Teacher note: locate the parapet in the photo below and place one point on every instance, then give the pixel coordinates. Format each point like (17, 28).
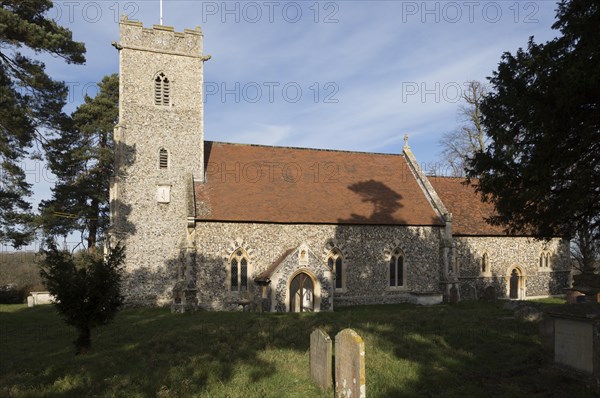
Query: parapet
(160, 38)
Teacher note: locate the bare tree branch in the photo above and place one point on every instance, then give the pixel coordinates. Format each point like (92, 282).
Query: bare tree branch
(470, 137)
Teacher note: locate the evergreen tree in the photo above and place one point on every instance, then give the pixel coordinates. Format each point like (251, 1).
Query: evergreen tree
(82, 159)
(86, 286)
(542, 167)
(30, 101)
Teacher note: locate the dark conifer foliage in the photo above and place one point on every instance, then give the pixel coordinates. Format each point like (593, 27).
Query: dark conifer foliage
(87, 288)
(82, 159)
(542, 167)
(30, 101)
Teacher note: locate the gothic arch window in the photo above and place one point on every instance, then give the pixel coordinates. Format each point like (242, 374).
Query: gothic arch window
(238, 271)
(397, 269)
(163, 159)
(335, 262)
(162, 90)
(456, 268)
(544, 264)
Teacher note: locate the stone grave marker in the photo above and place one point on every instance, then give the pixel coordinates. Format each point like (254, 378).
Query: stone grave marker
(349, 365)
(320, 358)
(489, 294)
(454, 297)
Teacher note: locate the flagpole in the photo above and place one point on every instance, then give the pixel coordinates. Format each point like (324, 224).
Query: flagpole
(161, 19)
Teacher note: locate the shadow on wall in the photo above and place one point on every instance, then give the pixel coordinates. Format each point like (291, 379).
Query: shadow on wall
(121, 227)
(370, 241)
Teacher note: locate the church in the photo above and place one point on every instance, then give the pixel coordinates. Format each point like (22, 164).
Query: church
(226, 226)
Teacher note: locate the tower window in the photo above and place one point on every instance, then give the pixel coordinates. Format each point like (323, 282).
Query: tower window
(162, 92)
(163, 159)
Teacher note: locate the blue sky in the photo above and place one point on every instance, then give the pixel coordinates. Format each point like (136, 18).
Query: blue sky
(350, 75)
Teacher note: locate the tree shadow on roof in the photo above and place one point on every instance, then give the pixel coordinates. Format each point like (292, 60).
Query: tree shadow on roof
(385, 202)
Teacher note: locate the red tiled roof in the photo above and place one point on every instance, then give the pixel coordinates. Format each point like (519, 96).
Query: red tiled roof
(467, 209)
(252, 183)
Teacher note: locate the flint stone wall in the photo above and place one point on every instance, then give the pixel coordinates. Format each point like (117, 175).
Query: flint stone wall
(365, 250)
(154, 233)
(280, 282)
(506, 253)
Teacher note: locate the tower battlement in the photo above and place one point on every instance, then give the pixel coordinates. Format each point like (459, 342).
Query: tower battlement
(161, 38)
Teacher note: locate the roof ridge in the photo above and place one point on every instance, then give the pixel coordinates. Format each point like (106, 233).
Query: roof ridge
(304, 148)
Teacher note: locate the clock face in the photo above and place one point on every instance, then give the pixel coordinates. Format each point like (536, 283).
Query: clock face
(163, 194)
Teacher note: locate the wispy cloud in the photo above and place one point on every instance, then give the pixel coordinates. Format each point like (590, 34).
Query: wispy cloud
(363, 55)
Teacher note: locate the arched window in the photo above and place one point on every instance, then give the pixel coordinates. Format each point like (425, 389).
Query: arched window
(335, 263)
(544, 260)
(163, 159)
(485, 263)
(162, 93)
(238, 275)
(396, 268)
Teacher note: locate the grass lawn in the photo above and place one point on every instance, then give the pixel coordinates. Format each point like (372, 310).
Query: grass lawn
(467, 350)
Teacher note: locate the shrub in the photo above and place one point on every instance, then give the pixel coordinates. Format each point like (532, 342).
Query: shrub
(86, 287)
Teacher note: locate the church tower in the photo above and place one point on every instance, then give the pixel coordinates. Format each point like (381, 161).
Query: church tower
(159, 144)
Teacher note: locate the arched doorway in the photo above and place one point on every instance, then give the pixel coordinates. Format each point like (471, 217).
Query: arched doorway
(515, 282)
(302, 293)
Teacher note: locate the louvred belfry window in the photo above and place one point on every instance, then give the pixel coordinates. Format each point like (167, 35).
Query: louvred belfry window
(162, 90)
(163, 159)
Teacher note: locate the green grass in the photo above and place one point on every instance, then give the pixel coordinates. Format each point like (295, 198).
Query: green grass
(468, 350)
(551, 300)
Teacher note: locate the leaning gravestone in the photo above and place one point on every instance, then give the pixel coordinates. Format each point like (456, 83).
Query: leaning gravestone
(320, 358)
(349, 365)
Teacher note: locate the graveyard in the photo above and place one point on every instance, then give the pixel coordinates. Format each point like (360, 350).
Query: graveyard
(468, 349)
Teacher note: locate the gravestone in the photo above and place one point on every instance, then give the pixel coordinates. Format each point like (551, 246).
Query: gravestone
(349, 365)
(454, 297)
(489, 294)
(577, 339)
(468, 292)
(320, 358)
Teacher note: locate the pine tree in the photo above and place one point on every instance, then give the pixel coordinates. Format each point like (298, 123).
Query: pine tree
(30, 101)
(82, 159)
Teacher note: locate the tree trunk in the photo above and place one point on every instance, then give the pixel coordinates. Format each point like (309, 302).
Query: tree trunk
(93, 226)
(84, 340)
